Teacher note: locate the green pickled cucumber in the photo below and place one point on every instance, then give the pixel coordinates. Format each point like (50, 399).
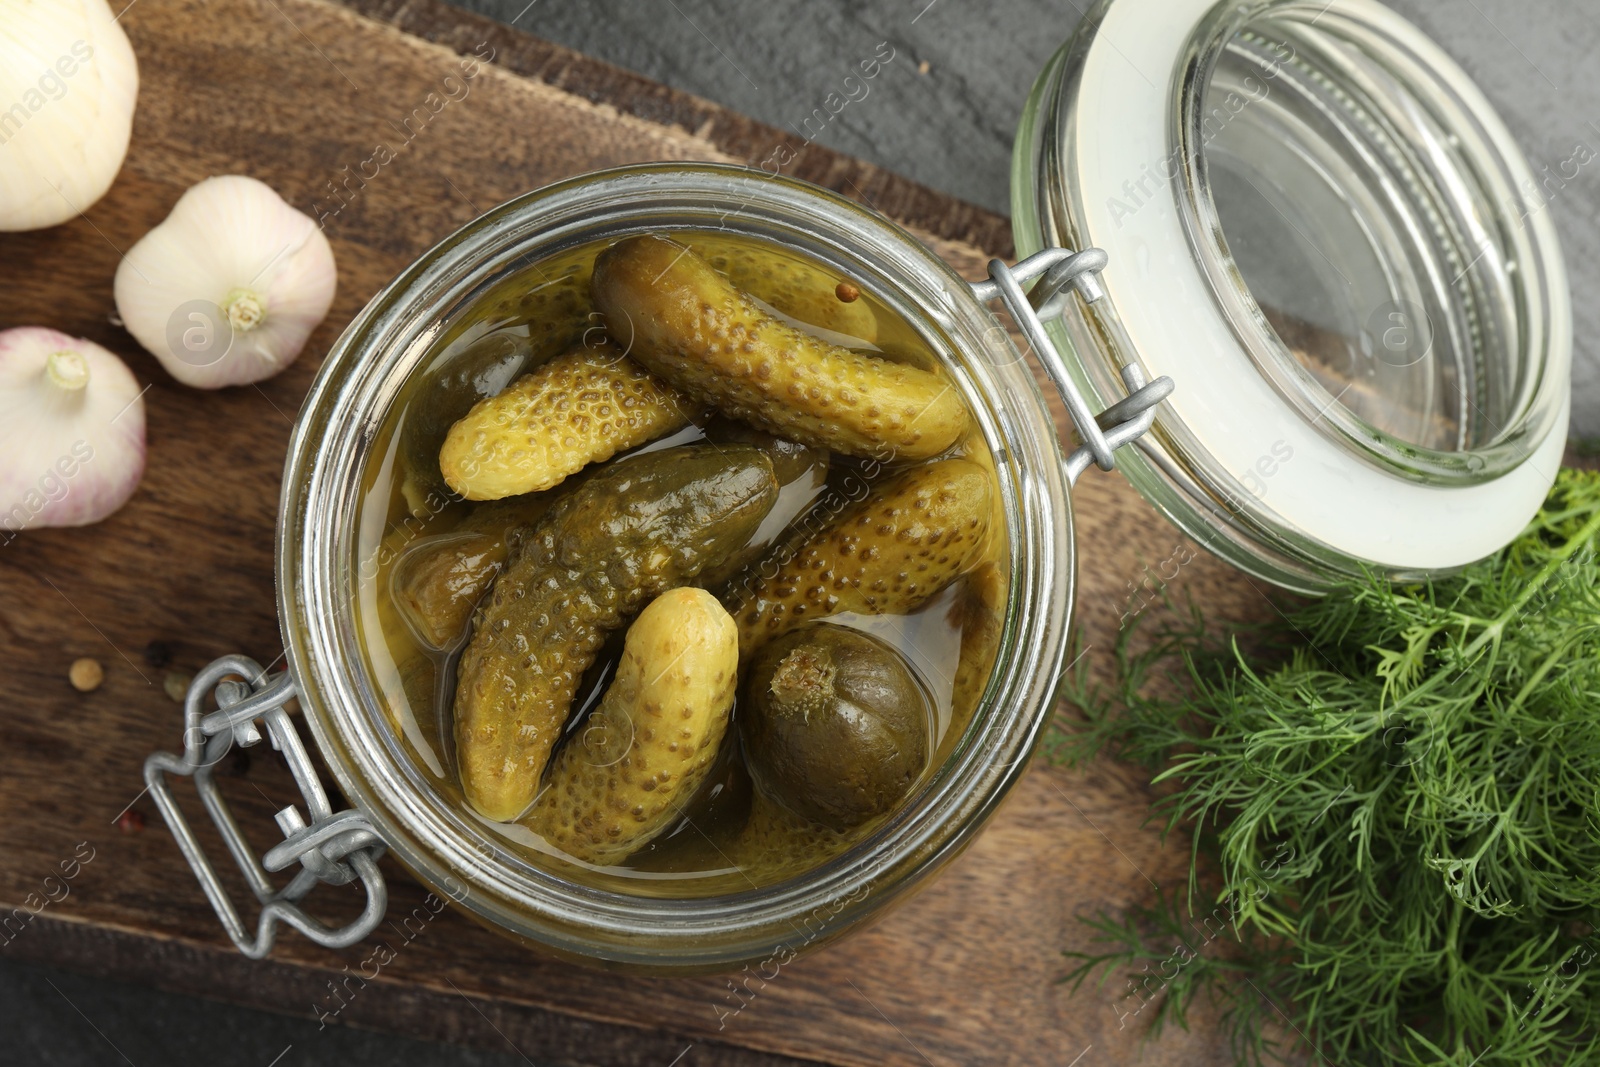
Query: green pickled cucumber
(689, 326)
(647, 748)
(437, 580)
(887, 554)
(550, 300)
(835, 724)
(632, 530)
(802, 473)
(406, 676)
(791, 460)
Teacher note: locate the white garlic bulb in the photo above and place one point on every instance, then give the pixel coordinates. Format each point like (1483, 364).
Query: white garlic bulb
(227, 289)
(71, 430)
(68, 82)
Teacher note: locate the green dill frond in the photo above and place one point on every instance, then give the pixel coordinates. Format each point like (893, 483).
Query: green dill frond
(1418, 768)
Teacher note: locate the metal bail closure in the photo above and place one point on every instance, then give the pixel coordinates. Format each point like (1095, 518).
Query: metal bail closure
(1058, 270)
(332, 848)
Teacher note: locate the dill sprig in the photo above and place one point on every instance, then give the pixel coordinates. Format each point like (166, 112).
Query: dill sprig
(1400, 788)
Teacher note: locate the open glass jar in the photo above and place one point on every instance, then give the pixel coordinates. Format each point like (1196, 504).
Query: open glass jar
(1323, 232)
(1372, 163)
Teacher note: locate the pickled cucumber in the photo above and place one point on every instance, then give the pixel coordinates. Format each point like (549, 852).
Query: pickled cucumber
(582, 407)
(406, 679)
(980, 612)
(631, 531)
(483, 369)
(907, 540)
(791, 460)
(835, 725)
(649, 745)
(437, 580)
(802, 473)
(793, 288)
(775, 843)
(712, 818)
(550, 300)
(534, 314)
(684, 322)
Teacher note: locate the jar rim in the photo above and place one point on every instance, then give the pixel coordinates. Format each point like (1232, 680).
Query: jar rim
(1352, 500)
(360, 382)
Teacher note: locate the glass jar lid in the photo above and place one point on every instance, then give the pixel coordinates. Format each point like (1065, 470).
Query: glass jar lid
(1321, 230)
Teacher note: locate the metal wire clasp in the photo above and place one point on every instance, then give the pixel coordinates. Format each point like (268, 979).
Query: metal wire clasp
(336, 848)
(1061, 269)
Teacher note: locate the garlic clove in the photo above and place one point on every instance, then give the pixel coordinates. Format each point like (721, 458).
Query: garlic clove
(228, 288)
(68, 84)
(72, 444)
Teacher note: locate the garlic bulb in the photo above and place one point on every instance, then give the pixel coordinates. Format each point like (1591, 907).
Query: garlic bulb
(227, 289)
(71, 430)
(68, 81)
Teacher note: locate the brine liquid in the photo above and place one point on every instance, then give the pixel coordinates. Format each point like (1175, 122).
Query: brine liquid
(518, 325)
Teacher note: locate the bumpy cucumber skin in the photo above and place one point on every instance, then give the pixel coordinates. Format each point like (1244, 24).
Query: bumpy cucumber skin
(776, 843)
(582, 407)
(480, 371)
(631, 531)
(795, 289)
(887, 554)
(687, 324)
(623, 777)
(556, 312)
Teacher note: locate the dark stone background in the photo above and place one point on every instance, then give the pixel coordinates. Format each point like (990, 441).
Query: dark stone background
(947, 124)
(950, 126)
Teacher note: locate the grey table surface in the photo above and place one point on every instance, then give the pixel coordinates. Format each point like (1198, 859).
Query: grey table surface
(942, 111)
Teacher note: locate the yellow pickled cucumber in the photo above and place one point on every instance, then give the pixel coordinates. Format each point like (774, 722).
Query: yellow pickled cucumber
(980, 612)
(907, 540)
(625, 775)
(480, 370)
(582, 407)
(776, 843)
(684, 322)
(793, 288)
(538, 313)
(632, 530)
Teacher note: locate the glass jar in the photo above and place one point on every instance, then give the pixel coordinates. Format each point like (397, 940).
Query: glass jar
(322, 577)
(1323, 232)
(1183, 252)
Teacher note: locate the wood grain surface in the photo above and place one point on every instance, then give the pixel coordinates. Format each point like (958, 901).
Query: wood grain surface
(295, 92)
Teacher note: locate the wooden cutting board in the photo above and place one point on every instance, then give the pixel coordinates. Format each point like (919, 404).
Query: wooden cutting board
(298, 93)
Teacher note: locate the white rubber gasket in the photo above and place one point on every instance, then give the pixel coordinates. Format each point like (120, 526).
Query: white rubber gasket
(1322, 490)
